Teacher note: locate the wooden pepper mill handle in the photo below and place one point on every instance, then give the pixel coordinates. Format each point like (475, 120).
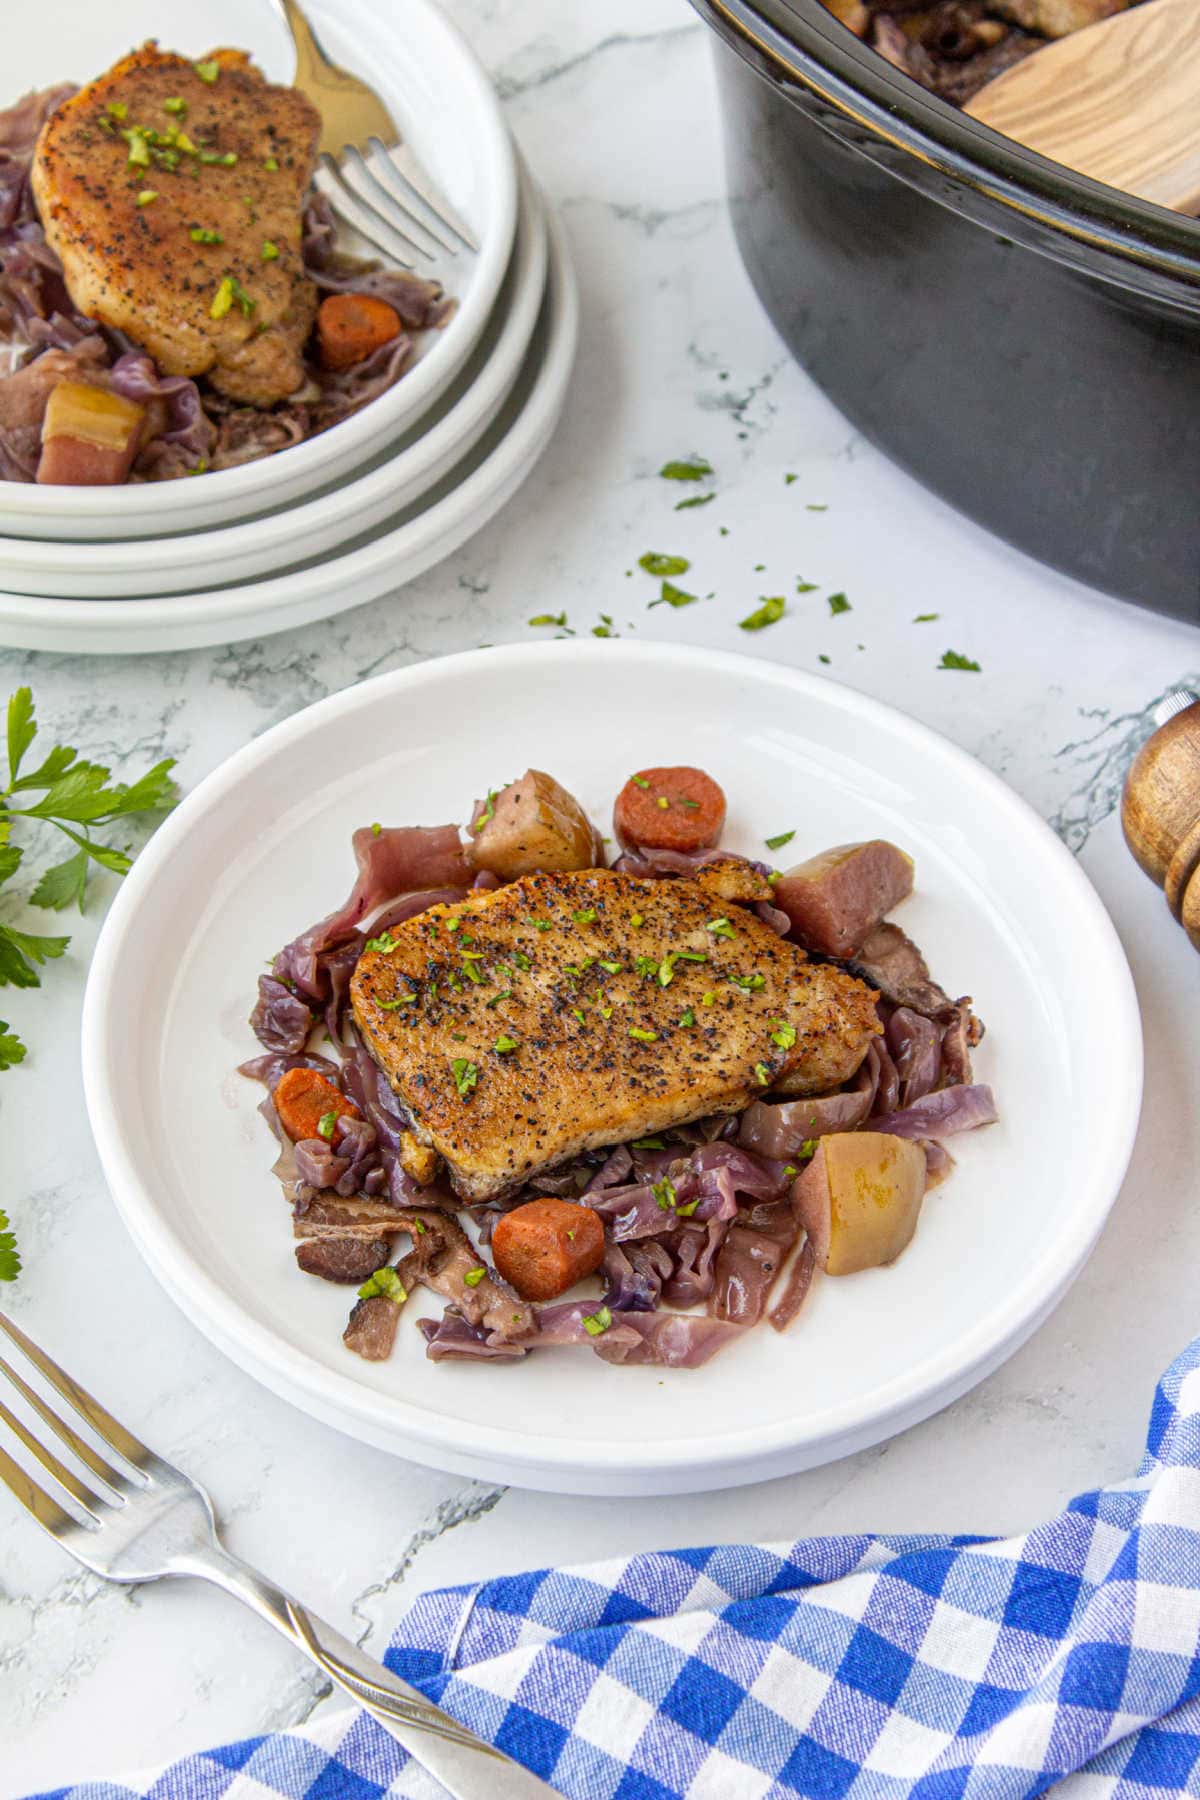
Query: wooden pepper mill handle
(1160, 807)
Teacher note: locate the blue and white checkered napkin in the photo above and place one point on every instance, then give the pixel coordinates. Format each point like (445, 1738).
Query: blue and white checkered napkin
(865, 1667)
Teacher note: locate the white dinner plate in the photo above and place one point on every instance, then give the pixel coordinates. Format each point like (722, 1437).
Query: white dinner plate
(444, 103)
(317, 526)
(261, 849)
(379, 562)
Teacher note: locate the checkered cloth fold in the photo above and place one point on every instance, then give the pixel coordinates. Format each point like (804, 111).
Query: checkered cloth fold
(838, 1668)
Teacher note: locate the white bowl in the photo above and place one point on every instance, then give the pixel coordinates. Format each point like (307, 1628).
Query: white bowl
(403, 548)
(1001, 909)
(446, 106)
(316, 527)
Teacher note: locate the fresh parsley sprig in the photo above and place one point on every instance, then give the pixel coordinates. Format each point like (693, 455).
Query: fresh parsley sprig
(77, 798)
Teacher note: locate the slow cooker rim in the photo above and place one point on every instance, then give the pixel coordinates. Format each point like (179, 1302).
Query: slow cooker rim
(814, 48)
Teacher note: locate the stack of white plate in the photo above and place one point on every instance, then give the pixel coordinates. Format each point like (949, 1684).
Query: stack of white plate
(371, 503)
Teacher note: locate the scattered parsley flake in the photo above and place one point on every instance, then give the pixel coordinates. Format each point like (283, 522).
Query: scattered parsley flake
(639, 781)
(720, 928)
(695, 468)
(207, 71)
(657, 562)
(926, 618)
(466, 1076)
(637, 920)
(473, 1277)
(202, 234)
(809, 1147)
(595, 1324)
(649, 1143)
(693, 500)
(642, 1036)
(327, 1125)
(823, 658)
(952, 659)
(674, 596)
(587, 916)
(558, 619)
(505, 994)
(664, 1194)
(269, 251)
(10, 1259)
(784, 1036)
(762, 1074)
(789, 478)
(777, 843)
(806, 587)
(811, 508)
(838, 603)
(489, 811)
(385, 943)
(688, 1017)
(386, 1284)
(504, 1044)
(376, 829)
(771, 610)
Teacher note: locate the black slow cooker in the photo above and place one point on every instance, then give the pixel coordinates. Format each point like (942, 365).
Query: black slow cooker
(1026, 342)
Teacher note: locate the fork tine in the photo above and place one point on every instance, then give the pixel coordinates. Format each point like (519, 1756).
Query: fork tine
(110, 1476)
(48, 1513)
(400, 165)
(91, 1503)
(351, 211)
(89, 1409)
(365, 175)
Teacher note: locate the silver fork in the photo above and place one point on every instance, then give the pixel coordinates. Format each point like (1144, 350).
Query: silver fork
(366, 171)
(137, 1518)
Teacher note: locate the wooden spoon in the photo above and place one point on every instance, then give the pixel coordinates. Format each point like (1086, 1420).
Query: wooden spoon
(1119, 101)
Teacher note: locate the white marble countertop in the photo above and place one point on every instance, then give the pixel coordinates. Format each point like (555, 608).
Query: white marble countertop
(614, 106)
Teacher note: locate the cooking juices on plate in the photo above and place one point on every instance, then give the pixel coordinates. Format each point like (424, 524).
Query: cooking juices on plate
(955, 47)
(685, 1081)
(171, 297)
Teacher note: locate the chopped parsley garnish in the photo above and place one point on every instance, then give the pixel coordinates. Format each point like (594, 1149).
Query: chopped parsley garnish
(785, 1036)
(821, 508)
(147, 196)
(694, 468)
(708, 1000)
(674, 596)
(639, 781)
(117, 109)
(473, 1277)
(521, 960)
(376, 829)
(777, 843)
(453, 924)
(646, 965)
(222, 301)
(688, 1017)
(327, 1125)
(10, 1258)
(685, 1212)
(604, 629)
(605, 1011)
(207, 71)
(139, 149)
(540, 924)
(384, 1284)
(400, 1000)
(271, 166)
(612, 968)
(657, 562)
(789, 478)
(926, 618)
(649, 1143)
(769, 613)
(385, 943)
(720, 928)
(806, 587)
(472, 973)
(586, 916)
(762, 1074)
(269, 251)
(466, 1076)
(751, 983)
(202, 234)
(505, 1044)
(579, 1014)
(664, 1194)
(504, 994)
(558, 619)
(693, 500)
(823, 658)
(663, 802)
(838, 603)
(489, 811)
(595, 1324)
(173, 105)
(951, 659)
(637, 920)
(642, 1036)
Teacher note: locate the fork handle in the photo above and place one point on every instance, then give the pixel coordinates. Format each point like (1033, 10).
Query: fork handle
(467, 1767)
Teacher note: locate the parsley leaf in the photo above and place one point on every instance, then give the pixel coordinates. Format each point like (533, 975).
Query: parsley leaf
(926, 618)
(951, 659)
(558, 619)
(777, 843)
(768, 613)
(693, 500)
(22, 729)
(657, 562)
(838, 603)
(12, 1050)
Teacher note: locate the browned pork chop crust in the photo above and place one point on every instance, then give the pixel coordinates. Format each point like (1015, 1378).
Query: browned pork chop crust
(227, 161)
(562, 1012)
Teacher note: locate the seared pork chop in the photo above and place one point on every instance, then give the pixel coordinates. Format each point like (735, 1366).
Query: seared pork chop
(172, 192)
(568, 1011)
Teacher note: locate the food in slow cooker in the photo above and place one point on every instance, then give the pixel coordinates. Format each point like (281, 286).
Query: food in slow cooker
(171, 296)
(955, 47)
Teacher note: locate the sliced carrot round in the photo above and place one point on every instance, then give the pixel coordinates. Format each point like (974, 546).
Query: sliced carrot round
(546, 1246)
(669, 809)
(303, 1097)
(350, 327)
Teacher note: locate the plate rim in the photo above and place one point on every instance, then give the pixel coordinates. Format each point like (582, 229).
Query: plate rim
(338, 1398)
(499, 159)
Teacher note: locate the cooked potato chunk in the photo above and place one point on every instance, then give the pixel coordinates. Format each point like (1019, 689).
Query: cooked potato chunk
(859, 1199)
(530, 827)
(89, 436)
